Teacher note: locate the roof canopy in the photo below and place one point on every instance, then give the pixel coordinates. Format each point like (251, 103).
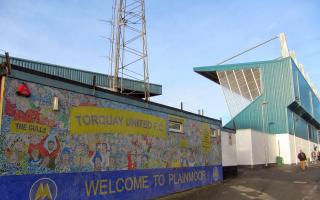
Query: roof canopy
(131, 87)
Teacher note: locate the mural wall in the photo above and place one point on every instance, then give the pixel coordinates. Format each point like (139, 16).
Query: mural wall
(95, 134)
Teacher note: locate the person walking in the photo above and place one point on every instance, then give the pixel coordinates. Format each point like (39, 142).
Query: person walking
(314, 156)
(302, 157)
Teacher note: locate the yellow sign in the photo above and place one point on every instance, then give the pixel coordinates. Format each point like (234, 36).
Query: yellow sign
(86, 119)
(28, 128)
(43, 193)
(205, 137)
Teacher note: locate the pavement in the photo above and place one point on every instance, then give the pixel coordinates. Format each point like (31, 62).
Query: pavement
(284, 182)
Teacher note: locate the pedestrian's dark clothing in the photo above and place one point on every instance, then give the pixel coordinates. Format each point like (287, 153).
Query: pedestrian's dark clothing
(302, 156)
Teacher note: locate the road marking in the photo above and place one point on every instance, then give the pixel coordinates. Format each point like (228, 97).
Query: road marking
(300, 182)
(311, 193)
(251, 193)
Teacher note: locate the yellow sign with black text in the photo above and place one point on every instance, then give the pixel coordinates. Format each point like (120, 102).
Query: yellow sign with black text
(28, 128)
(87, 119)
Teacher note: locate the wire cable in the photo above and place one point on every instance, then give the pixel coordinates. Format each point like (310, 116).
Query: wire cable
(247, 50)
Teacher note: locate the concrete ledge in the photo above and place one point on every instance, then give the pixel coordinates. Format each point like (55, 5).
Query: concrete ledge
(259, 166)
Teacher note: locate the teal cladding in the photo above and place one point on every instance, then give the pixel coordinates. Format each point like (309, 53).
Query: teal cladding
(306, 97)
(301, 128)
(277, 93)
(287, 103)
(308, 103)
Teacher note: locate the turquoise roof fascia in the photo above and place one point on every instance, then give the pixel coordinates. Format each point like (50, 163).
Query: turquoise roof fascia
(236, 66)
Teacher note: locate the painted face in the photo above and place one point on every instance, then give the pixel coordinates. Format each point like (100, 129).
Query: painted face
(35, 154)
(13, 158)
(50, 145)
(97, 164)
(65, 158)
(104, 148)
(18, 145)
(34, 139)
(79, 149)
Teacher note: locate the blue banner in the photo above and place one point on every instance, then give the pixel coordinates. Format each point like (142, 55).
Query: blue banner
(125, 184)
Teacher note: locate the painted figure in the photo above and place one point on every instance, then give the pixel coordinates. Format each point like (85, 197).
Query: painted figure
(191, 159)
(18, 147)
(49, 149)
(105, 153)
(131, 162)
(65, 160)
(81, 157)
(97, 161)
(35, 157)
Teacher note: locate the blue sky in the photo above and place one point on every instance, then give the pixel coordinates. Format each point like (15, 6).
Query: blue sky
(181, 35)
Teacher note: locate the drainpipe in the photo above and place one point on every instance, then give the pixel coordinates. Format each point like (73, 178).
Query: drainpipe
(294, 137)
(264, 103)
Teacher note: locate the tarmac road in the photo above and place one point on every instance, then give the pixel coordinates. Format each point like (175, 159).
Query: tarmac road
(275, 183)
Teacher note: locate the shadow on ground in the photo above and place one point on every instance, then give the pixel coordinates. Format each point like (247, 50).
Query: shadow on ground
(274, 183)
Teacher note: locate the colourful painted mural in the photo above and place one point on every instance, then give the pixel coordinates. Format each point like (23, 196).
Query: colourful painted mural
(94, 134)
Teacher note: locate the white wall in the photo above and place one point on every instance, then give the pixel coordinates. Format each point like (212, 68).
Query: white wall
(292, 146)
(286, 149)
(305, 146)
(252, 146)
(229, 149)
(244, 147)
(264, 148)
(259, 147)
(293, 150)
(273, 149)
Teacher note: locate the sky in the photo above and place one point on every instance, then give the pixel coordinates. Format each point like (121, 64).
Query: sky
(181, 34)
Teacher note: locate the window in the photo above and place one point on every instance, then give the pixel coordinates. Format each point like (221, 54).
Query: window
(297, 88)
(311, 103)
(175, 126)
(310, 132)
(215, 132)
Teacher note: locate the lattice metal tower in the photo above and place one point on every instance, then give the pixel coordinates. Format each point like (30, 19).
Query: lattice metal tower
(128, 53)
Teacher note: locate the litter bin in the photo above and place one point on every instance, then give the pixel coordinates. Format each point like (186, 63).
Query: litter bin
(279, 160)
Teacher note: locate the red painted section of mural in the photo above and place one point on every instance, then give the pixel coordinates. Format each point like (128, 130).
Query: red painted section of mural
(30, 116)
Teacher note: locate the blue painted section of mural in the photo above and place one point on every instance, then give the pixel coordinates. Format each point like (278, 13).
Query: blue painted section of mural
(125, 184)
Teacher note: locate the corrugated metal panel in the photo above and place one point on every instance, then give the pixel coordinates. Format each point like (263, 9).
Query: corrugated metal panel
(306, 97)
(81, 75)
(285, 90)
(277, 93)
